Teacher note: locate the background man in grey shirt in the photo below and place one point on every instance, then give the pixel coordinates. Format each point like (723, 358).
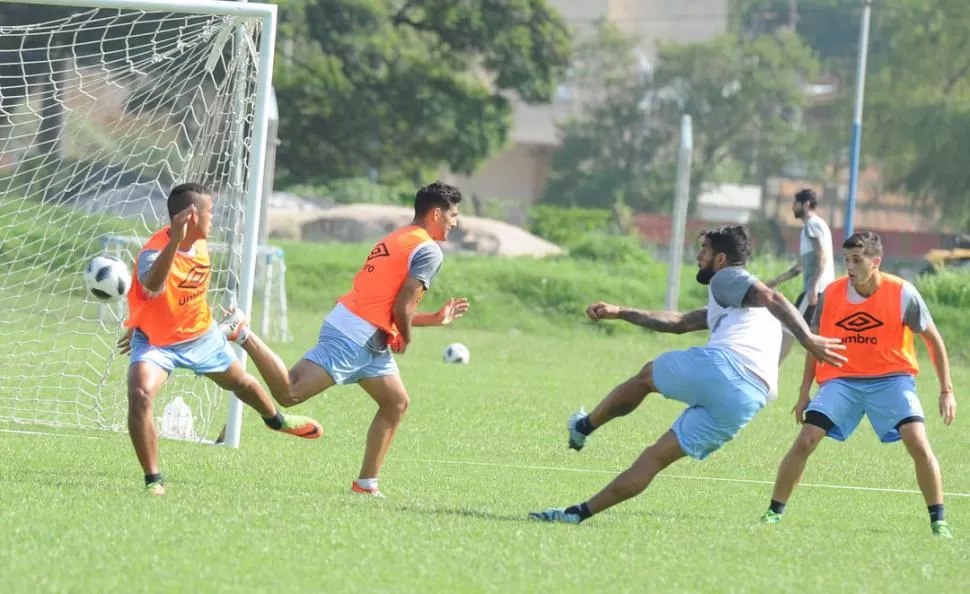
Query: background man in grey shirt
(816, 263)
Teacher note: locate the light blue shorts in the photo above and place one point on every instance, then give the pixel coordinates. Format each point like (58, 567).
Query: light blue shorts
(346, 361)
(885, 400)
(722, 397)
(209, 353)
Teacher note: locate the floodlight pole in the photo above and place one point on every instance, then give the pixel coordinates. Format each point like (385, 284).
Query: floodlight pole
(860, 87)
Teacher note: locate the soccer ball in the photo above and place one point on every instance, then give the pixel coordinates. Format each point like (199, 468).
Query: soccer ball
(107, 278)
(457, 353)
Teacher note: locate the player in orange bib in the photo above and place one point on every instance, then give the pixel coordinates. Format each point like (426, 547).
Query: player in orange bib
(875, 314)
(370, 321)
(170, 326)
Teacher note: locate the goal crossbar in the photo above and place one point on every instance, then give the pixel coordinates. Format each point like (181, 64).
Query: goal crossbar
(208, 7)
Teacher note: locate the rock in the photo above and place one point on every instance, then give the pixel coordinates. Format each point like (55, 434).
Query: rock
(355, 223)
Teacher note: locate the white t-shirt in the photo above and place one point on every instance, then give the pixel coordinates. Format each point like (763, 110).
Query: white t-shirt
(752, 334)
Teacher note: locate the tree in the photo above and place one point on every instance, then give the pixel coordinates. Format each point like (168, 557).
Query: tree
(740, 93)
(918, 103)
(609, 151)
(404, 89)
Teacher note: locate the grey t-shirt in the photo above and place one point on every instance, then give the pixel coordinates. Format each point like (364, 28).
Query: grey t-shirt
(816, 228)
(730, 285)
(915, 313)
(426, 263)
(144, 264)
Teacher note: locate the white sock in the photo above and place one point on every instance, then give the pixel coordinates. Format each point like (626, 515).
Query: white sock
(367, 484)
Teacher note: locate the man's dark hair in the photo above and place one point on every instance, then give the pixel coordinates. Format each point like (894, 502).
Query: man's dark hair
(807, 196)
(734, 241)
(870, 243)
(183, 196)
(435, 195)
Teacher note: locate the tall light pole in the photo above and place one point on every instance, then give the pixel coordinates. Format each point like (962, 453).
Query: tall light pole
(860, 87)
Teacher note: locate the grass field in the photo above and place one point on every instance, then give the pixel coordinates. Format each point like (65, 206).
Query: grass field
(482, 446)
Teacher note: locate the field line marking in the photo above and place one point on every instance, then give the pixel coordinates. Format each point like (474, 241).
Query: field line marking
(46, 434)
(664, 475)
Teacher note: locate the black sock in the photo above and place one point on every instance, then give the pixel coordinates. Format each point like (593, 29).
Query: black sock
(777, 507)
(275, 422)
(581, 510)
(157, 478)
(584, 426)
(936, 513)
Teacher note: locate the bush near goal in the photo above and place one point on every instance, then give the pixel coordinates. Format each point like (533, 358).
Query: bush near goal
(104, 105)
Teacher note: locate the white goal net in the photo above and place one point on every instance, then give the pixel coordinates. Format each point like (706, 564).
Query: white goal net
(103, 108)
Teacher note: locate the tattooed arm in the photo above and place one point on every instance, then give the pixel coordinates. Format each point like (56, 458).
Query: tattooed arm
(821, 348)
(785, 276)
(671, 322)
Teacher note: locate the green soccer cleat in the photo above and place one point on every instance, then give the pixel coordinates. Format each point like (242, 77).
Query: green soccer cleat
(771, 517)
(941, 529)
(156, 489)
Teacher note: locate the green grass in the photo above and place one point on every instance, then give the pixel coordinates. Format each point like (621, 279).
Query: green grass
(481, 446)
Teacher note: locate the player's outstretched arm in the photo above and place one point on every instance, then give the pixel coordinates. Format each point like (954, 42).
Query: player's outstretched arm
(941, 363)
(452, 310)
(670, 322)
(785, 276)
(821, 348)
(407, 317)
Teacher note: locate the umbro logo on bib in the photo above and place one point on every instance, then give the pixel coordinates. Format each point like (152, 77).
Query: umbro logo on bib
(195, 277)
(859, 322)
(379, 251)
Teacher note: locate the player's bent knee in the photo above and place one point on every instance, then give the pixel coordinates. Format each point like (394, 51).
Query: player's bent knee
(645, 377)
(398, 406)
(913, 435)
(812, 433)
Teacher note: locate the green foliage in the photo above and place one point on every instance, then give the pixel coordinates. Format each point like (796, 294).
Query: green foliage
(566, 226)
(609, 150)
(948, 294)
(548, 296)
(739, 91)
(946, 287)
(613, 250)
(740, 94)
(357, 190)
(404, 88)
(527, 294)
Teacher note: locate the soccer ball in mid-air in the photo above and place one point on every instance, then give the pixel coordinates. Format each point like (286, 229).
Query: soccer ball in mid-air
(107, 278)
(457, 353)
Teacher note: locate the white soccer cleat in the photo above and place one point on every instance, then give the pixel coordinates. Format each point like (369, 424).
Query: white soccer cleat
(234, 325)
(556, 514)
(576, 439)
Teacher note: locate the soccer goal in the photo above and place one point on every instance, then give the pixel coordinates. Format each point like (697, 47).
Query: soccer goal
(104, 105)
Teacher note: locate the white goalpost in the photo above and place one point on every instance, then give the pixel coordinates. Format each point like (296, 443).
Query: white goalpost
(104, 105)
